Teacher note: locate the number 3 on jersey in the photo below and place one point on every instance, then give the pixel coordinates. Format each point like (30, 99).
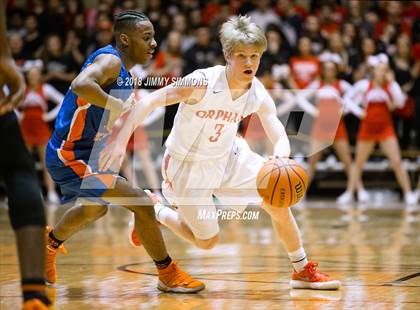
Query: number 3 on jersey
(218, 129)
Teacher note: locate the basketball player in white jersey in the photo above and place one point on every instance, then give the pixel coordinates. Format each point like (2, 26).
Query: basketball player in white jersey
(204, 157)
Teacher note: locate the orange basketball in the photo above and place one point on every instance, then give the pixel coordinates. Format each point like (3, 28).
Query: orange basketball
(282, 182)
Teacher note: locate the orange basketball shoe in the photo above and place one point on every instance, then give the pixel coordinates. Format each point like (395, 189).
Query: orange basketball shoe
(50, 253)
(132, 236)
(310, 278)
(34, 304)
(173, 279)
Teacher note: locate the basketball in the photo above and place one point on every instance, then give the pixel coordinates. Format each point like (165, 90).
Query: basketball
(282, 182)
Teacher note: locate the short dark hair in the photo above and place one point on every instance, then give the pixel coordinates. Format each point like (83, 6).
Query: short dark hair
(128, 19)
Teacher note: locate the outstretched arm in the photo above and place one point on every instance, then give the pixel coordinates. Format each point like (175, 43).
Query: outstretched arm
(169, 95)
(274, 128)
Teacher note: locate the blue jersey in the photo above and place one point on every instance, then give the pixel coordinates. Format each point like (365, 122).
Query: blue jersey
(80, 133)
(80, 124)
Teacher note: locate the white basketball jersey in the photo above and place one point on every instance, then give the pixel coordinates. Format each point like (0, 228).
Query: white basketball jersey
(207, 129)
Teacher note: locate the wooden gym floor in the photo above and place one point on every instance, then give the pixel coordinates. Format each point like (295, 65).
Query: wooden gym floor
(374, 252)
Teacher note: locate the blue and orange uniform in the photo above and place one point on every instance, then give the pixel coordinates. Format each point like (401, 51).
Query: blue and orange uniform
(79, 136)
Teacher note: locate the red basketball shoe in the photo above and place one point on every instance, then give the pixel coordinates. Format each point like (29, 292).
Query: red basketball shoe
(310, 278)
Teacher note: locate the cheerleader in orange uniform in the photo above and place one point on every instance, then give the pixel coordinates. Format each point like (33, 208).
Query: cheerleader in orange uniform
(329, 127)
(379, 96)
(34, 116)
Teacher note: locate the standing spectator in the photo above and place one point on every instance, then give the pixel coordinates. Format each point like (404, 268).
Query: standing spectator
(405, 73)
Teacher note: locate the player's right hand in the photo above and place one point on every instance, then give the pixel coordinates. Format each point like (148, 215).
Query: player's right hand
(112, 156)
(14, 81)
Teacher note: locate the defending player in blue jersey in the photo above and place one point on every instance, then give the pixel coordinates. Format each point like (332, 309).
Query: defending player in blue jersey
(96, 98)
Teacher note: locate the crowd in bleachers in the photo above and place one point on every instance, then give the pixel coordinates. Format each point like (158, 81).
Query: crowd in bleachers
(63, 33)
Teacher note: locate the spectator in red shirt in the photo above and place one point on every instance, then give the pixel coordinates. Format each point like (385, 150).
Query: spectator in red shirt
(305, 67)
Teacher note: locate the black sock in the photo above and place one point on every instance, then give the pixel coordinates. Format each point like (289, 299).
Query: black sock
(55, 243)
(34, 288)
(162, 264)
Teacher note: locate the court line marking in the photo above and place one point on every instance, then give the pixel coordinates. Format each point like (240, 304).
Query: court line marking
(402, 279)
(125, 268)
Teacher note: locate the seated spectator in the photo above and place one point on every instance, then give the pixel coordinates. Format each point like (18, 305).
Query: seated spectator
(180, 25)
(312, 30)
(103, 36)
(53, 19)
(16, 48)
(60, 68)
(203, 53)
(278, 49)
(72, 47)
(305, 67)
(264, 14)
(80, 27)
(33, 38)
(336, 46)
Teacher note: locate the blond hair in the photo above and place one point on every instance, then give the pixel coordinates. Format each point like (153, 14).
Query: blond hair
(239, 30)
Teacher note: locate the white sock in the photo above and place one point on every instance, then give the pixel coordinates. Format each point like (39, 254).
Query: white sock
(163, 213)
(298, 259)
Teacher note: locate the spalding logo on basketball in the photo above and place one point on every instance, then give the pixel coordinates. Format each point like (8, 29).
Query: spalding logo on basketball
(282, 182)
